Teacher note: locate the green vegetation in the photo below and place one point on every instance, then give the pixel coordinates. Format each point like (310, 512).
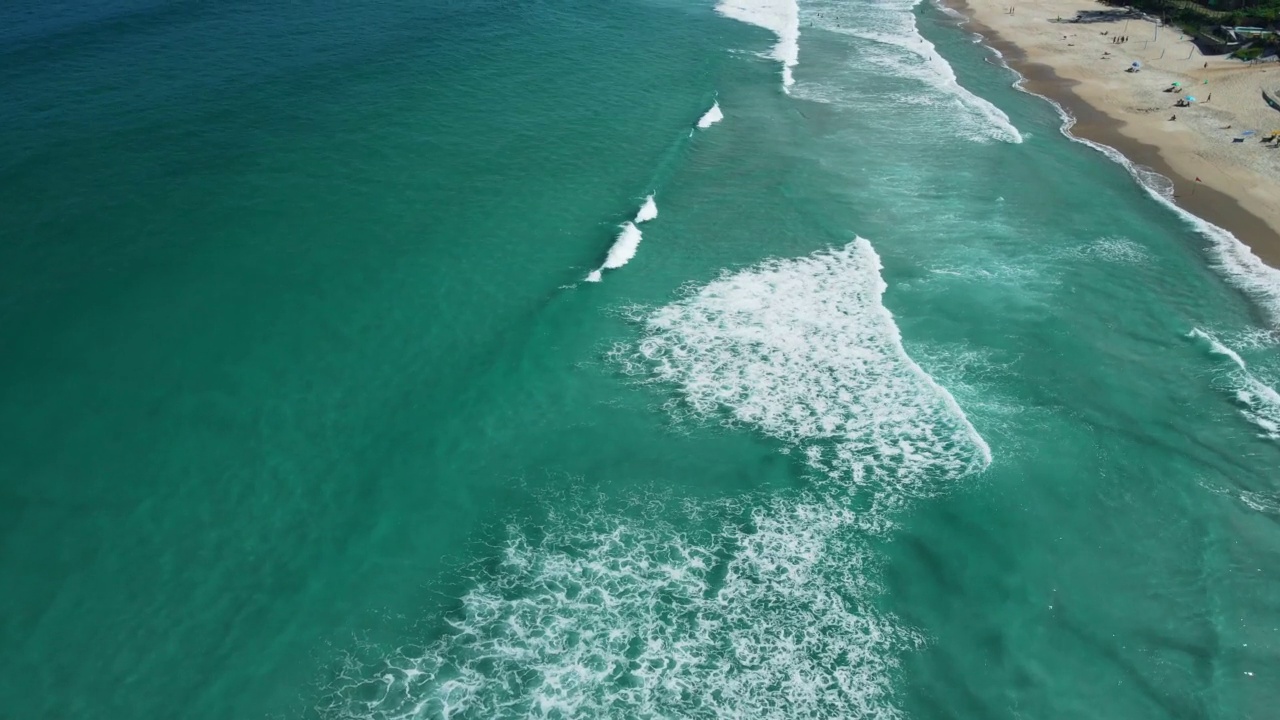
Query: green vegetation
(1194, 14)
(1203, 17)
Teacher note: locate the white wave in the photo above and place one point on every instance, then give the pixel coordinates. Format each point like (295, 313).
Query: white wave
(1110, 249)
(648, 211)
(711, 117)
(1257, 401)
(1217, 347)
(895, 45)
(760, 608)
(805, 350)
(623, 249)
(782, 18)
(1263, 502)
(627, 242)
(613, 618)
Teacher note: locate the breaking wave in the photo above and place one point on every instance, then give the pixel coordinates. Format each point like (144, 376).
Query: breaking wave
(627, 242)
(648, 211)
(804, 349)
(782, 18)
(620, 253)
(1258, 402)
(758, 606)
(711, 117)
(892, 42)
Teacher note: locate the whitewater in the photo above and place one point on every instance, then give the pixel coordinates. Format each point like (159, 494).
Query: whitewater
(896, 404)
(627, 242)
(711, 117)
(1258, 402)
(763, 604)
(782, 18)
(617, 616)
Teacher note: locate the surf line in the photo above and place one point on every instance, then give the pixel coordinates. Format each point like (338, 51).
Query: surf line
(627, 241)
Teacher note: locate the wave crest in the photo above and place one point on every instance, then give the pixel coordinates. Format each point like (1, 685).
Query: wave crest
(782, 18)
(711, 117)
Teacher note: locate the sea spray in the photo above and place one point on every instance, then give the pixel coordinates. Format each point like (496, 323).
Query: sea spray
(782, 18)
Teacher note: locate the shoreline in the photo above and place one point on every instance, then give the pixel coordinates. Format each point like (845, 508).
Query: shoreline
(1205, 199)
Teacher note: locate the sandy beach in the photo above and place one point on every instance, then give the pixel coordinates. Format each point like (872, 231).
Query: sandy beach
(1082, 67)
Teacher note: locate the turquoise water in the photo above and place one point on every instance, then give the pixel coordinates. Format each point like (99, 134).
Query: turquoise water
(905, 404)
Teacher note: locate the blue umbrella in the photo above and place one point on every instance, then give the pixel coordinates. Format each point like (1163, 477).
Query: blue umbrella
(1249, 132)
(1137, 64)
(1190, 99)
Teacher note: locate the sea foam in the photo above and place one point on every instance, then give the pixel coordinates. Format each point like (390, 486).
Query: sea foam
(760, 606)
(1258, 402)
(804, 350)
(893, 43)
(605, 617)
(782, 18)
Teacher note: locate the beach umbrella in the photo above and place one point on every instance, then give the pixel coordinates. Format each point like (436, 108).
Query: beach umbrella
(1177, 84)
(1190, 99)
(1136, 64)
(1251, 132)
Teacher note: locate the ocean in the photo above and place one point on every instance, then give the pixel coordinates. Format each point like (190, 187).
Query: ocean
(632, 359)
